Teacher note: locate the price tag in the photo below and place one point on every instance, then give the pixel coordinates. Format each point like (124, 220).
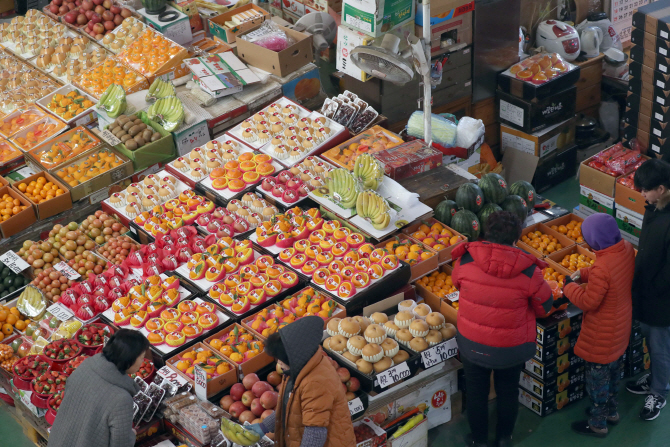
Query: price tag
(439, 353)
(171, 376)
(355, 406)
(393, 375)
(453, 297)
(109, 137)
(67, 271)
(14, 262)
(105, 339)
(200, 379)
(60, 311)
(98, 196)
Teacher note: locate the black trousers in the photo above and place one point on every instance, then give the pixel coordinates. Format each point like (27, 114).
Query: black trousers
(477, 383)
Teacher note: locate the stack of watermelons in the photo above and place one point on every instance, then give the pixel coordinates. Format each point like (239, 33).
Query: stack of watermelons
(474, 204)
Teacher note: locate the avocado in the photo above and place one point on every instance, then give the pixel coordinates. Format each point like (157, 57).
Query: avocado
(20, 281)
(12, 289)
(4, 293)
(8, 281)
(4, 272)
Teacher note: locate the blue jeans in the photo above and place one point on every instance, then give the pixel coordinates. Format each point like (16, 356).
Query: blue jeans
(602, 385)
(658, 340)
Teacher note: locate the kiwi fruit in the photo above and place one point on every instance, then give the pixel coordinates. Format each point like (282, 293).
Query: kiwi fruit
(118, 132)
(137, 122)
(122, 120)
(134, 131)
(128, 125)
(125, 138)
(132, 117)
(155, 137)
(146, 134)
(139, 140)
(131, 144)
(142, 126)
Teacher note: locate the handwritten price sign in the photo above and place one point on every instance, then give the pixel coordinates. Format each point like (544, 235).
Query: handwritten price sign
(14, 262)
(393, 375)
(59, 311)
(200, 379)
(439, 353)
(171, 376)
(67, 271)
(453, 297)
(355, 406)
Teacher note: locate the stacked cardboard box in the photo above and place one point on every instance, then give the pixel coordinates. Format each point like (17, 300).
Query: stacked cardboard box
(555, 376)
(636, 357)
(646, 115)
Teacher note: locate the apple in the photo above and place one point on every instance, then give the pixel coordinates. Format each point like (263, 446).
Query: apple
(125, 13)
(71, 6)
(87, 5)
(81, 19)
(343, 373)
(109, 25)
(246, 416)
(266, 414)
(350, 396)
(63, 10)
(53, 9)
(226, 402)
(115, 9)
(100, 9)
(107, 16)
(236, 391)
(249, 380)
(97, 2)
(353, 384)
(70, 17)
(274, 378)
(57, 2)
(269, 400)
(256, 407)
(107, 4)
(98, 28)
(260, 387)
(379, 418)
(236, 409)
(247, 398)
(95, 17)
(118, 20)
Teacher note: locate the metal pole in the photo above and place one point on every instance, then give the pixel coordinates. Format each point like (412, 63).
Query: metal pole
(427, 90)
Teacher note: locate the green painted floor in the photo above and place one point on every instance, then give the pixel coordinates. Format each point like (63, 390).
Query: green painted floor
(565, 194)
(11, 433)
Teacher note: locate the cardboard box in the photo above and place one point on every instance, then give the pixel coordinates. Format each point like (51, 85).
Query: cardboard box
(376, 437)
(49, 207)
(629, 199)
(536, 114)
(279, 63)
(649, 58)
(544, 408)
(376, 17)
(417, 436)
(547, 390)
(408, 159)
(443, 255)
(348, 39)
(558, 137)
(250, 366)
(549, 371)
(221, 74)
(629, 221)
(451, 23)
(541, 227)
(657, 130)
(215, 384)
(229, 35)
(190, 8)
(177, 30)
(435, 396)
(156, 152)
(555, 169)
(294, 7)
(647, 75)
(436, 303)
(21, 221)
(557, 257)
(508, 83)
(596, 180)
(558, 325)
(454, 75)
(650, 42)
(653, 19)
(33, 157)
(549, 353)
(421, 268)
(460, 89)
(595, 200)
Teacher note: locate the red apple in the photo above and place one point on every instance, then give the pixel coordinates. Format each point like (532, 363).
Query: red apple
(107, 4)
(57, 2)
(236, 409)
(344, 388)
(249, 380)
(343, 373)
(87, 5)
(246, 416)
(379, 418)
(115, 9)
(247, 398)
(53, 9)
(236, 391)
(125, 13)
(269, 400)
(106, 15)
(109, 25)
(98, 28)
(256, 407)
(266, 413)
(70, 17)
(226, 402)
(95, 17)
(274, 378)
(100, 9)
(353, 384)
(118, 20)
(81, 19)
(97, 2)
(260, 387)
(71, 6)
(63, 10)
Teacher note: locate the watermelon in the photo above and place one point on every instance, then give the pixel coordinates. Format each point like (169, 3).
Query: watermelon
(485, 212)
(470, 197)
(466, 223)
(445, 210)
(494, 187)
(524, 190)
(515, 205)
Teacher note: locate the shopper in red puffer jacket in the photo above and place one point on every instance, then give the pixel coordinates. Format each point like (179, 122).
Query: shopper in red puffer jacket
(502, 291)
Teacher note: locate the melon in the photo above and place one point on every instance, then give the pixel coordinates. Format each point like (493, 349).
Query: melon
(485, 212)
(445, 210)
(515, 205)
(466, 223)
(524, 190)
(494, 188)
(470, 197)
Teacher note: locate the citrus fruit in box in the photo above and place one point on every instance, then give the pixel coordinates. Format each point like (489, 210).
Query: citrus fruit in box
(8, 152)
(572, 229)
(576, 261)
(541, 242)
(79, 141)
(439, 283)
(436, 235)
(11, 318)
(550, 274)
(70, 105)
(12, 125)
(40, 190)
(96, 164)
(9, 206)
(37, 134)
(407, 251)
(239, 345)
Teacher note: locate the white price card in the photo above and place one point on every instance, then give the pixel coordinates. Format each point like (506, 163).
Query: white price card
(439, 353)
(14, 262)
(59, 311)
(171, 376)
(109, 137)
(67, 271)
(393, 375)
(453, 297)
(200, 379)
(355, 406)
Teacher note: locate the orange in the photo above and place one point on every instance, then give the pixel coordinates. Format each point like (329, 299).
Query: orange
(7, 329)
(11, 319)
(3, 315)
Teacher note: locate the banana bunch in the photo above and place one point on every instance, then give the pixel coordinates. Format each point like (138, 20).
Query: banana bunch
(342, 188)
(168, 112)
(113, 101)
(238, 434)
(374, 208)
(160, 89)
(368, 171)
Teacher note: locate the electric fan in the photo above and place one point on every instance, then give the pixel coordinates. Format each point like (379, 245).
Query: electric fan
(321, 26)
(386, 63)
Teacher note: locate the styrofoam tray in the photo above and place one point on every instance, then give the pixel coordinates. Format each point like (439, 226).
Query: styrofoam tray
(11, 46)
(203, 284)
(44, 102)
(332, 206)
(64, 79)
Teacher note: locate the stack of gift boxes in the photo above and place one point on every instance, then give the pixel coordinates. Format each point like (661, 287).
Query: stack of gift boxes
(636, 357)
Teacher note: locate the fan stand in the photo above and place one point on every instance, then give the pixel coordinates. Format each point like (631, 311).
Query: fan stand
(427, 89)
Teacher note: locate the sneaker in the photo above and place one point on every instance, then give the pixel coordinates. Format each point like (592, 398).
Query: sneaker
(652, 407)
(640, 386)
(470, 442)
(613, 420)
(583, 428)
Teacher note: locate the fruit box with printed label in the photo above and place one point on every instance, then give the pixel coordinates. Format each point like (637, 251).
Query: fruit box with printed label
(249, 366)
(551, 352)
(629, 199)
(449, 20)
(419, 267)
(636, 104)
(558, 137)
(644, 123)
(531, 115)
(443, 255)
(369, 434)
(552, 369)
(435, 397)
(279, 63)
(647, 79)
(555, 169)
(216, 383)
(218, 28)
(562, 239)
(544, 408)
(509, 83)
(548, 390)
(636, 333)
(408, 159)
(558, 325)
(650, 58)
(376, 17)
(629, 221)
(637, 350)
(437, 303)
(49, 207)
(20, 221)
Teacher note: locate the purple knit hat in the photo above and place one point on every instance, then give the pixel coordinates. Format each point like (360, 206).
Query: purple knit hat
(600, 231)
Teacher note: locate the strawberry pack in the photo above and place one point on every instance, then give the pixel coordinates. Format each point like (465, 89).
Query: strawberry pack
(62, 349)
(51, 382)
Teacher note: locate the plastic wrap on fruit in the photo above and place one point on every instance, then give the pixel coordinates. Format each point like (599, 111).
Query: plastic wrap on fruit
(443, 130)
(38, 346)
(170, 262)
(368, 172)
(628, 182)
(171, 282)
(101, 290)
(117, 270)
(625, 163)
(151, 268)
(135, 259)
(71, 326)
(69, 297)
(32, 302)
(611, 153)
(468, 131)
(114, 281)
(84, 288)
(115, 293)
(269, 36)
(164, 239)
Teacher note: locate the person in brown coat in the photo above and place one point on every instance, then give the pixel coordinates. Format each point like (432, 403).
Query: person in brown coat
(312, 409)
(608, 313)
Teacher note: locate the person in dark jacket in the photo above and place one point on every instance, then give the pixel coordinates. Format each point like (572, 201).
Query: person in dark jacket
(312, 409)
(97, 408)
(651, 284)
(501, 292)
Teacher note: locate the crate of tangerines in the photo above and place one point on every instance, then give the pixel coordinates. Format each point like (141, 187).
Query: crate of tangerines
(16, 212)
(541, 241)
(438, 283)
(421, 257)
(570, 226)
(438, 236)
(221, 373)
(241, 347)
